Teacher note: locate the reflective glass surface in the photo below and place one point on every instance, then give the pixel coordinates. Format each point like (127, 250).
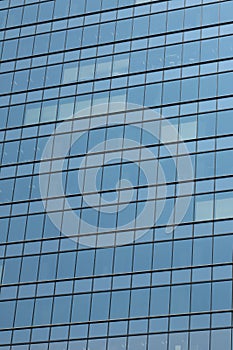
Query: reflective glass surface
(116, 177)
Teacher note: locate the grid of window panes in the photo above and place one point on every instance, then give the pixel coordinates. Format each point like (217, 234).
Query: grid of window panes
(61, 58)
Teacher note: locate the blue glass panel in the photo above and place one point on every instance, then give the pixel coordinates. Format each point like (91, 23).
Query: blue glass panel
(100, 306)
(61, 309)
(137, 308)
(24, 311)
(81, 308)
(43, 310)
(7, 309)
(159, 301)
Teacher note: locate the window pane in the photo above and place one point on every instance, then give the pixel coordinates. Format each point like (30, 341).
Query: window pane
(7, 309)
(120, 304)
(48, 265)
(222, 296)
(180, 298)
(100, 306)
(223, 205)
(85, 263)
(123, 259)
(182, 253)
(178, 341)
(103, 262)
(157, 342)
(162, 255)
(123, 29)
(81, 308)
(220, 339)
(29, 269)
(224, 165)
(42, 313)
(200, 297)
(223, 248)
(142, 257)
(199, 340)
(137, 308)
(204, 207)
(202, 251)
(61, 309)
(159, 301)
(66, 265)
(24, 311)
(11, 270)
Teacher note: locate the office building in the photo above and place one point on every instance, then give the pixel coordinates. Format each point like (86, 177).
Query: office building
(116, 178)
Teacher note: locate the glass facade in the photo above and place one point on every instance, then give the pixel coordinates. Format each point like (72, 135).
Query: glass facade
(116, 178)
